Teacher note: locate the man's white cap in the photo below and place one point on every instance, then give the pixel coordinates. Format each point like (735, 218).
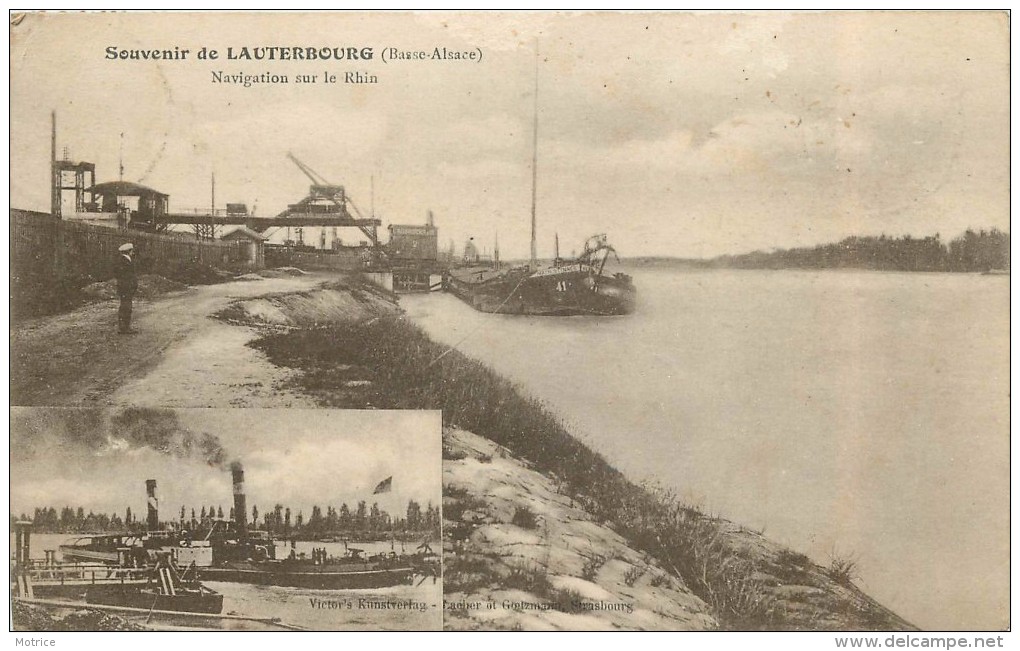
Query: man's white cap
(126, 247)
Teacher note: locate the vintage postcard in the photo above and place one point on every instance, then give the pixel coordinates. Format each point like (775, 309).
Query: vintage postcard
(225, 519)
(714, 306)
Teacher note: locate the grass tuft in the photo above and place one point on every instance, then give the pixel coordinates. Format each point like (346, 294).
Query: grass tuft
(593, 562)
(842, 570)
(524, 518)
(529, 577)
(633, 575)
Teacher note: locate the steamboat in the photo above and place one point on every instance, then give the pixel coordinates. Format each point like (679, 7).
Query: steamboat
(230, 552)
(354, 570)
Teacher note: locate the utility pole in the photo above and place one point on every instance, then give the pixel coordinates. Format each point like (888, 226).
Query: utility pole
(208, 231)
(55, 180)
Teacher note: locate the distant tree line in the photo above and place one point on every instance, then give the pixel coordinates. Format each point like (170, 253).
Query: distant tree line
(362, 519)
(972, 251)
(280, 521)
(71, 520)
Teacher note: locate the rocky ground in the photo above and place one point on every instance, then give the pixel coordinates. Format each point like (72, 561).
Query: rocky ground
(149, 286)
(514, 541)
(27, 617)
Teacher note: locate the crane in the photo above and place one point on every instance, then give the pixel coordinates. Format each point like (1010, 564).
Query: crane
(323, 190)
(314, 176)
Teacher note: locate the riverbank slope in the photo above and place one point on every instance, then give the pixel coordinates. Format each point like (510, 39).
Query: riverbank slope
(720, 575)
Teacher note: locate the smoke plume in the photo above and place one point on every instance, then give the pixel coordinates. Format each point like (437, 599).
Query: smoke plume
(162, 431)
(41, 432)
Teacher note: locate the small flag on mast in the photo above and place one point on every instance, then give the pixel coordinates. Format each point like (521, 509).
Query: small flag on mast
(384, 486)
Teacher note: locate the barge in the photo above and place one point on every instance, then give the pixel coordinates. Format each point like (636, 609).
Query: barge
(567, 287)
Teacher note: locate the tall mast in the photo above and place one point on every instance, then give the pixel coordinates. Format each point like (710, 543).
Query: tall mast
(211, 230)
(534, 166)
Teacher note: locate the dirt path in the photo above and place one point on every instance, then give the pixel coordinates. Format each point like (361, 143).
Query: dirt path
(180, 356)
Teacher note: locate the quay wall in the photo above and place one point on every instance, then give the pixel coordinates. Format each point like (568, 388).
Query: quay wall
(362, 259)
(342, 260)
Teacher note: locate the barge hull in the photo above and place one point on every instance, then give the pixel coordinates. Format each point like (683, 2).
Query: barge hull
(565, 294)
(315, 580)
(126, 597)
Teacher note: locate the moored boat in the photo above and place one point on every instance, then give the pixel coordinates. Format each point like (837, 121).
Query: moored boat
(111, 550)
(118, 549)
(567, 287)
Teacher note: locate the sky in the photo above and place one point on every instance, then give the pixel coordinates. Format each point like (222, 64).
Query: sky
(297, 457)
(675, 134)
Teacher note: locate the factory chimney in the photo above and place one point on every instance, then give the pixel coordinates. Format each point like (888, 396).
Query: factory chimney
(152, 516)
(240, 508)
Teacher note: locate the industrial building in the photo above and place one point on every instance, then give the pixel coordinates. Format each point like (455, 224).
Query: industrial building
(414, 242)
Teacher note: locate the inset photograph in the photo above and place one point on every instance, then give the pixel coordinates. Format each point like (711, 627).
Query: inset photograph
(225, 519)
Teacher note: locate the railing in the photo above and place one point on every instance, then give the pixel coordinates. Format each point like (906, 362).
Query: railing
(79, 574)
(215, 212)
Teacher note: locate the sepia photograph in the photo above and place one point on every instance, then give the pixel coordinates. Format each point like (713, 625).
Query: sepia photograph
(704, 317)
(242, 519)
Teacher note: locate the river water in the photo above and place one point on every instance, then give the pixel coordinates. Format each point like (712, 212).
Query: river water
(850, 414)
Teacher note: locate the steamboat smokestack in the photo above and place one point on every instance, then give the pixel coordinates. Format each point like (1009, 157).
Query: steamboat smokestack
(240, 508)
(152, 502)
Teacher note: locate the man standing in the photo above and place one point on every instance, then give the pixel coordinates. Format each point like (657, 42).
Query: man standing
(127, 284)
